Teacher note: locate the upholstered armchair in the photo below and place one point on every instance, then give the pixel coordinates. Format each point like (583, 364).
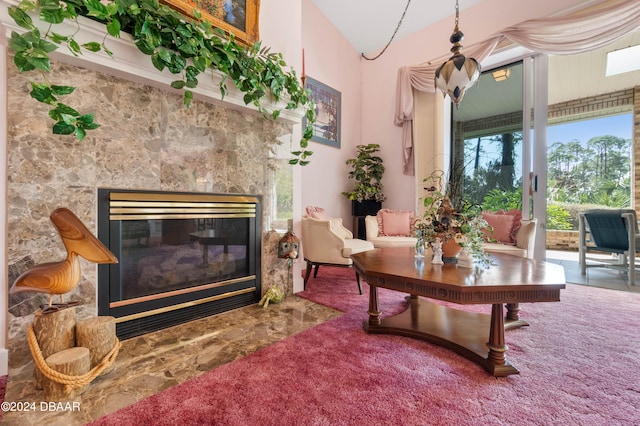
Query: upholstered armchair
(326, 241)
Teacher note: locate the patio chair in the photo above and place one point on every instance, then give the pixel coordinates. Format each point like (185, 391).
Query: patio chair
(609, 231)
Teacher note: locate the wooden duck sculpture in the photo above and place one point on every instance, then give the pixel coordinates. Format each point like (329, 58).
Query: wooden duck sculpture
(61, 277)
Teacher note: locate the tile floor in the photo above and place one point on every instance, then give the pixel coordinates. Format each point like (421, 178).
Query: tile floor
(610, 278)
(156, 361)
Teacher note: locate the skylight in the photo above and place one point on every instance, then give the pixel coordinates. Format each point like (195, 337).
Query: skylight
(623, 60)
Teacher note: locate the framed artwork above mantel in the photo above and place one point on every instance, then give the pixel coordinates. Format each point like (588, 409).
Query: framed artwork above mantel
(237, 17)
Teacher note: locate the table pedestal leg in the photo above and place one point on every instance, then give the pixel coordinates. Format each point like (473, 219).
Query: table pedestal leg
(497, 345)
(512, 319)
(374, 311)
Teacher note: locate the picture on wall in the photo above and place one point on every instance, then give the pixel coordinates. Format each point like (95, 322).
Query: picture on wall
(326, 129)
(238, 17)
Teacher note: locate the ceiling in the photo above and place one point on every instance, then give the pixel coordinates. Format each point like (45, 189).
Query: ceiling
(570, 77)
(369, 24)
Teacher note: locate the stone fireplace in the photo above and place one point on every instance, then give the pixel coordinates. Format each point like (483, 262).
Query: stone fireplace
(147, 141)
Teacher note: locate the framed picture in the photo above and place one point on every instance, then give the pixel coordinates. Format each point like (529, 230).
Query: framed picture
(326, 129)
(239, 17)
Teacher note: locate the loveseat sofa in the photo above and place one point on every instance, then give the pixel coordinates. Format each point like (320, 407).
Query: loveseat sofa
(512, 235)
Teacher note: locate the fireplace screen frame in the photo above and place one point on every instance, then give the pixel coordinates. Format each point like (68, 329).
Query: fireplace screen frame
(142, 315)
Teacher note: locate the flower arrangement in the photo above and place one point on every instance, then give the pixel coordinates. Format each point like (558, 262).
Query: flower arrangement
(440, 219)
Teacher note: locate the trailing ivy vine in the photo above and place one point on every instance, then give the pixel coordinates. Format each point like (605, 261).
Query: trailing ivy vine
(187, 48)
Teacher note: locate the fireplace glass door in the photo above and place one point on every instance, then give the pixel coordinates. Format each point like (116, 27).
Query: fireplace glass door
(181, 256)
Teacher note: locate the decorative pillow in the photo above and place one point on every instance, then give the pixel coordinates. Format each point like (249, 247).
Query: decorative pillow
(395, 223)
(504, 224)
(317, 213)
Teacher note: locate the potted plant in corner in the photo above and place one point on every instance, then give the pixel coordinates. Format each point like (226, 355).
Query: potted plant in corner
(367, 170)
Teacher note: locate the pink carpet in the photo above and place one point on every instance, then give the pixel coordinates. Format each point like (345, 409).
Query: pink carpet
(579, 363)
(3, 389)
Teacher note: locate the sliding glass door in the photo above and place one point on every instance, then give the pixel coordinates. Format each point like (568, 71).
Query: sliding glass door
(493, 133)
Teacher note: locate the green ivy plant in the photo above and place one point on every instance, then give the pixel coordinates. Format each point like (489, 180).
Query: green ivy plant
(187, 48)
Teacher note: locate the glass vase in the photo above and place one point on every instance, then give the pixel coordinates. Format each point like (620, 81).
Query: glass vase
(419, 248)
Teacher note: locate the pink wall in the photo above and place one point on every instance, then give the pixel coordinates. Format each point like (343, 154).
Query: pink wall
(330, 59)
(368, 91)
(478, 23)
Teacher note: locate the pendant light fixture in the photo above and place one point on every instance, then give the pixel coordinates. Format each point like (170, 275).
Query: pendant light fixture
(458, 73)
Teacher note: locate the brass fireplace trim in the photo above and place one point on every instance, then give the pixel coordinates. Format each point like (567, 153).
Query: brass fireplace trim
(184, 305)
(142, 299)
(150, 205)
(189, 198)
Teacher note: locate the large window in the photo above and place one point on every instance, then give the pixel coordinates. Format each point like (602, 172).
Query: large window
(589, 165)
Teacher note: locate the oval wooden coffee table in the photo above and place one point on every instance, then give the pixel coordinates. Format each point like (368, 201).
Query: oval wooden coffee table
(478, 337)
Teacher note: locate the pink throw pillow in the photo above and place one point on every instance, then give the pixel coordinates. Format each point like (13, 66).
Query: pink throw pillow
(504, 224)
(317, 213)
(395, 223)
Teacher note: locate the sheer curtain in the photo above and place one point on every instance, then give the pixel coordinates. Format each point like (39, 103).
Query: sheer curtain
(563, 35)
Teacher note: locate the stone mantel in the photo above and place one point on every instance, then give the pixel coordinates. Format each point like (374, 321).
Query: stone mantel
(129, 63)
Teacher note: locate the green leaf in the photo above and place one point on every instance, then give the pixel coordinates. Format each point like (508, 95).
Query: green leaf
(86, 121)
(22, 63)
(157, 61)
(134, 9)
(42, 93)
(201, 63)
(52, 15)
(62, 128)
(176, 64)
(65, 110)
(46, 46)
(95, 8)
(178, 84)
(112, 9)
(145, 47)
(164, 54)
(21, 17)
(308, 132)
(74, 47)
(184, 31)
(80, 133)
(40, 62)
(191, 72)
(62, 90)
(113, 28)
(92, 46)
(18, 43)
(58, 38)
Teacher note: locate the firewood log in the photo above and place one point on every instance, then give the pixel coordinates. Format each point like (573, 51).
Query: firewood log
(72, 362)
(54, 332)
(99, 335)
